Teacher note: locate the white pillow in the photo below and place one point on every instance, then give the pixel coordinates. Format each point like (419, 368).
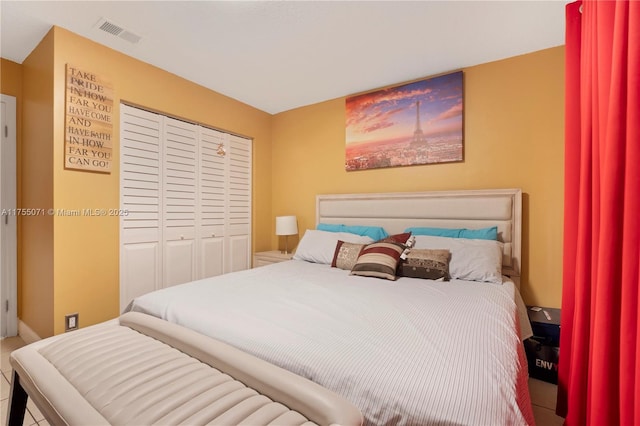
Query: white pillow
(319, 246)
(472, 260)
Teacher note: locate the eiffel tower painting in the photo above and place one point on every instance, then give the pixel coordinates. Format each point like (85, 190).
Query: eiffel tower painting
(419, 139)
(406, 125)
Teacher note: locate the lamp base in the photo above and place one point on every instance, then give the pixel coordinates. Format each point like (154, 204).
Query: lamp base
(286, 245)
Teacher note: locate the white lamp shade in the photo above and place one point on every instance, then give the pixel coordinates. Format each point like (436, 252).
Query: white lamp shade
(286, 225)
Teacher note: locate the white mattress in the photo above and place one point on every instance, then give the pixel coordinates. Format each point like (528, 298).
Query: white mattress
(409, 352)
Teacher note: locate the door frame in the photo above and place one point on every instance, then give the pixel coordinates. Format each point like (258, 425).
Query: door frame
(9, 219)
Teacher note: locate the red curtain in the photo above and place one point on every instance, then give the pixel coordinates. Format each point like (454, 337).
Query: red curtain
(599, 366)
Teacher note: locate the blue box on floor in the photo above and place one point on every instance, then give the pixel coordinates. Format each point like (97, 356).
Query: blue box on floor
(543, 349)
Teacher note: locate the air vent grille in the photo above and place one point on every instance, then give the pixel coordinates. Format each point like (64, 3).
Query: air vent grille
(118, 31)
(111, 28)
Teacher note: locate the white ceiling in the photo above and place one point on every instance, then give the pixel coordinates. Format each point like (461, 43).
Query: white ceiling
(279, 55)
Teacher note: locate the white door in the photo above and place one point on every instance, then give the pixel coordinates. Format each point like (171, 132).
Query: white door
(188, 192)
(239, 204)
(179, 201)
(8, 226)
(212, 195)
(140, 190)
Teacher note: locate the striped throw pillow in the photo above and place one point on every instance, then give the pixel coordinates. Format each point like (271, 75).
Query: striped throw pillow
(379, 260)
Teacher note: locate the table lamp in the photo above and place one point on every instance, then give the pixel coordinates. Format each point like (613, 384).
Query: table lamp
(286, 225)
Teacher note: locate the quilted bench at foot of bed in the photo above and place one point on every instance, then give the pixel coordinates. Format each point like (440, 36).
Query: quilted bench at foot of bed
(140, 370)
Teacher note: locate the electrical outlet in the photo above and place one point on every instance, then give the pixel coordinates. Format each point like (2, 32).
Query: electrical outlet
(71, 322)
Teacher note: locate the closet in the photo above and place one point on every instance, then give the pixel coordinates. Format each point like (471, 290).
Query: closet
(185, 191)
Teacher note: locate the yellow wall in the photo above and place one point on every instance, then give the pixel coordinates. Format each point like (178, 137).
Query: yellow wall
(36, 242)
(10, 78)
(86, 249)
(513, 138)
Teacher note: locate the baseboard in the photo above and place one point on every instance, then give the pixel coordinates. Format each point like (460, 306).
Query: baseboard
(26, 333)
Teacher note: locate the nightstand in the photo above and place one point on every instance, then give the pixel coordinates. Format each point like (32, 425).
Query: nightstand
(543, 349)
(268, 257)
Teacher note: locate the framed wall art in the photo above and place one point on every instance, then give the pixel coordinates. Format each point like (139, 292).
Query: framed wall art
(411, 124)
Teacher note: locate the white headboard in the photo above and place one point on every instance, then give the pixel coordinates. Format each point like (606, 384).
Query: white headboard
(471, 209)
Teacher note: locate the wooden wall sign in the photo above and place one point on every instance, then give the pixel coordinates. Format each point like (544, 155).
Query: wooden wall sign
(88, 119)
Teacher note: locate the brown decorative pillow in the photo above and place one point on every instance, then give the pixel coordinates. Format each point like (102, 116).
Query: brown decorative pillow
(431, 264)
(346, 255)
(379, 260)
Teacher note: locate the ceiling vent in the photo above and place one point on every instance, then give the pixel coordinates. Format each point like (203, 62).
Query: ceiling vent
(116, 30)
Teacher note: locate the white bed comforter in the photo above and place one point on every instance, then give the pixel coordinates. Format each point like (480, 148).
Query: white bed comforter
(409, 352)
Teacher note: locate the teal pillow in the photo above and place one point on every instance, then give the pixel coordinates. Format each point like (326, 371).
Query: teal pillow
(490, 233)
(374, 232)
(435, 232)
(329, 227)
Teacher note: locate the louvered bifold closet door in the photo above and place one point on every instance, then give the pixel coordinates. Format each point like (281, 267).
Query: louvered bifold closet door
(188, 192)
(212, 195)
(239, 203)
(179, 201)
(140, 193)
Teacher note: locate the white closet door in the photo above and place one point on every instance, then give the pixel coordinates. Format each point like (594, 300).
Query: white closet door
(239, 203)
(179, 201)
(140, 230)
(212, 200)
(188, 192)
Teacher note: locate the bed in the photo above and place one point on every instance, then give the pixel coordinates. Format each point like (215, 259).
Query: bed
(406, 351)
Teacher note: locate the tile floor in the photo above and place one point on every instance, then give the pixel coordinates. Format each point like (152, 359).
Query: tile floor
(543, 395)
(543, 401)
(33, 415)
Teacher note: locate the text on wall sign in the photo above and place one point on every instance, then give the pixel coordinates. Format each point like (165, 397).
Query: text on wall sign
(88, 121)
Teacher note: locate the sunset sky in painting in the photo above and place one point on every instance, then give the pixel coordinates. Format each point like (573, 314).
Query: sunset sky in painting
(390, 114)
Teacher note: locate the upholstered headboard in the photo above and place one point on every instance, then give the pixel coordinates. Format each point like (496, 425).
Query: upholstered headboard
(444, 209)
